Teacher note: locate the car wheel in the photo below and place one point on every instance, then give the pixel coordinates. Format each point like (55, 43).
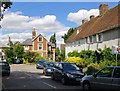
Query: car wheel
(86, 87)
(63, 80)
(53, 77)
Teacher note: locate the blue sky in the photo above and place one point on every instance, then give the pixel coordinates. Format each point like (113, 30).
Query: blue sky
(46, 17)
(59, 9)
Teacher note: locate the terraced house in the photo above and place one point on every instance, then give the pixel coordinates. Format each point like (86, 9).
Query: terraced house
(99, 32)
(39, 44)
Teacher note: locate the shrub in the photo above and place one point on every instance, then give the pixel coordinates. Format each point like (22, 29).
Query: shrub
(76, 60)
(92, 68)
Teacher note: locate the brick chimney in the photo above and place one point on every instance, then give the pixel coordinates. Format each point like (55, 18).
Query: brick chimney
(33, 33)
(84, 20)
(92, 16)
(103, 8)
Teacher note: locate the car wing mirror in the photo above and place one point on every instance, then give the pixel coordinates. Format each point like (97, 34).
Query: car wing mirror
(94, 75)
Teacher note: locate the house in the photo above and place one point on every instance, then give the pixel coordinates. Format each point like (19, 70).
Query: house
(39, 44)
(99, 32)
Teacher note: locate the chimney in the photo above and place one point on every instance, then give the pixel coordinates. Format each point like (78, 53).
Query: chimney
(103, 8)
(33, 33)
(84, 20)
(92, 16)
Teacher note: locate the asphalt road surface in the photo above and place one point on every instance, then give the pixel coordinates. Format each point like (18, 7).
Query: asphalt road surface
(27, 77)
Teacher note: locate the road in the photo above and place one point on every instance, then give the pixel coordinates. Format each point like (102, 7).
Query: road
(27, 77)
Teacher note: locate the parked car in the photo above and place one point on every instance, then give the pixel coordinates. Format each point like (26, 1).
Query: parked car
(40, 64)
(5, 68)
(48, 70)
(67, 72)
(107, 78)
(17, 61)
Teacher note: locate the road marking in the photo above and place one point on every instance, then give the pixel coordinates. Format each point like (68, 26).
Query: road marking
(49, 85)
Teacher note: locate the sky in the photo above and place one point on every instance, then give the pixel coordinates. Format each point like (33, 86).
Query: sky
(46, 17)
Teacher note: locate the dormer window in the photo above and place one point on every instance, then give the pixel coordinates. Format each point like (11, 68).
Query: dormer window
(40, 39)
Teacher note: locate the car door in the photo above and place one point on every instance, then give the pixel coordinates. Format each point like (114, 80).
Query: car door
(103, 78)
(116, 79)
(60, 71)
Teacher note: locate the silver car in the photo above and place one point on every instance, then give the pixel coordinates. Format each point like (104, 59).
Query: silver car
(107, 78)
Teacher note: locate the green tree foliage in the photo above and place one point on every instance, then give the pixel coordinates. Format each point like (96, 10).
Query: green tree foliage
(32, 57)
(5, 4)
(9, 55)
(53, 39)
(95, 60)
(62, 55)
(57, 54)
(73, 54)
(69, 33)
(18, 50)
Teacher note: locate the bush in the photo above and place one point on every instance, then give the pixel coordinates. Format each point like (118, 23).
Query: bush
(92, 68)
(76, 60)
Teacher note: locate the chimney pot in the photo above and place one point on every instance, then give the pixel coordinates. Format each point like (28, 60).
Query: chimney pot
(84, 20)
(92, 16)
(103, 8)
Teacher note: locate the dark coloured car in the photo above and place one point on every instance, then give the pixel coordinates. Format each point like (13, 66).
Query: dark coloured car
(40, 64)
(48, 70)
(67, 73)
(17, 61)
(107, 78)
(5, 68)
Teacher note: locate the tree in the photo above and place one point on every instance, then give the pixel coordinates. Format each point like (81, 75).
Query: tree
(18, 50)
(10, 43)
(69, 33)
(4, 4)
(57, 54)
(53, 39)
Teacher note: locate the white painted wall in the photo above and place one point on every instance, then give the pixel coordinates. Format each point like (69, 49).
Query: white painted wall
(110, 38)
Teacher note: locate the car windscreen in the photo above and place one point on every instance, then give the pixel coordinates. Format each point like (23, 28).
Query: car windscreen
(68, 66)
(50, 64)
(41, 62)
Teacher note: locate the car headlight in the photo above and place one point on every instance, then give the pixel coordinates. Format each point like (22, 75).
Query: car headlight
(49, 70)
(70, 75)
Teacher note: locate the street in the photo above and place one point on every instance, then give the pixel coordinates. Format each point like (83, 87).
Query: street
(27, 77)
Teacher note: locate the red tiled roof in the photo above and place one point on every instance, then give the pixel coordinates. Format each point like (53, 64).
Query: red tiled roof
(98, 24)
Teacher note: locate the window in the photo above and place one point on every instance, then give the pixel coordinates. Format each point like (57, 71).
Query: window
(40, 46)
(90, 39)
(100, 38)
(117, 73)
(40, 39)
(94, 38)
(106, 72)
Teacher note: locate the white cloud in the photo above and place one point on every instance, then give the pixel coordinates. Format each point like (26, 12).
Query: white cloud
(15, 37)
(77, 17)
(15, 21)
(19, 27)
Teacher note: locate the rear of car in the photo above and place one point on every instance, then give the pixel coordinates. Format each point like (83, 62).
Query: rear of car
(41, 64)
(5, 68)
(48, 70)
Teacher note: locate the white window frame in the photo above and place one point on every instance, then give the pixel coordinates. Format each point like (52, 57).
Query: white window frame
(100, 39)
(39, 40)
(38, 46)
(90, 40)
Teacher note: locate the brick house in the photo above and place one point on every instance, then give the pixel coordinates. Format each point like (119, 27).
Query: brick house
(39, 44)
(99, 32)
